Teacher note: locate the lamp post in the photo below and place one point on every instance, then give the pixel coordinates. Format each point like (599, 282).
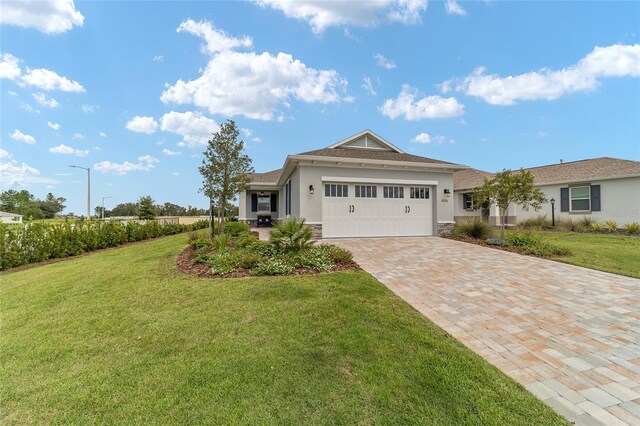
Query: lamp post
(88, 189)
(553, 212)
(103, 198)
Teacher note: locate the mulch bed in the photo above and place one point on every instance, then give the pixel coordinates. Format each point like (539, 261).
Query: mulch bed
(186, 265)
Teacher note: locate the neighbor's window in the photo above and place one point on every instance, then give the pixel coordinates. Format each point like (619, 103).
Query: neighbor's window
(580, 198)
(336, 190)
(393, 191)
(467, 201)
(418, 192)
(366, 191)
(264, 203)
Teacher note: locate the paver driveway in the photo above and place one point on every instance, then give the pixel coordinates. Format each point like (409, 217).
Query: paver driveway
(570, 335)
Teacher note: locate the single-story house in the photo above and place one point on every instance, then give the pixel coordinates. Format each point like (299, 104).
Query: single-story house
(362, 186)
(603, 189)
(6, 217)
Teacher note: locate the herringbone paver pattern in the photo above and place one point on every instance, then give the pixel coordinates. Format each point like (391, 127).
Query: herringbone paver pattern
(570, 335)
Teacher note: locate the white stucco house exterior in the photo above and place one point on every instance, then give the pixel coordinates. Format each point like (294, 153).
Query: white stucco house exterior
(362, 186)
(6, 217)
(603, 189)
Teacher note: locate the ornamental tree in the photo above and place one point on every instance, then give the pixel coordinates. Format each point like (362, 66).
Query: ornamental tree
(506, 188)
(225, 170)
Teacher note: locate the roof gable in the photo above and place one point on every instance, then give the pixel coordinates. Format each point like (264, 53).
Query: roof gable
(366, 140)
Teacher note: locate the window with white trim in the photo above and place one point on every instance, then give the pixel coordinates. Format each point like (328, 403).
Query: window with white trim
(580, 197)
(393, 191)
(264, 203)
(417, 192)
(366, 191)
(336, 190)
(467, 201)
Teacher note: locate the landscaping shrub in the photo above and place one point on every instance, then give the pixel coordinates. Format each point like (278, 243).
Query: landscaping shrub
(338, 255)
(632, 228)
(201, 243)
(473, 228)
(264, 248)
(39, 241)
(596, 227)
(273, 266)
(224, 262)
(249, 259)
(570, 225)
(611, 226)
(235, 228)
(539, 223)
(245, 239)
(291, 236)
(312, 258)
(222, 241)
(528, 244)
(586, 223)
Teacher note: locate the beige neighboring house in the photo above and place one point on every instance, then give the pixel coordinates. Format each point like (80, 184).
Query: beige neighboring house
(362, 186)
(6, 217)
(602, 189)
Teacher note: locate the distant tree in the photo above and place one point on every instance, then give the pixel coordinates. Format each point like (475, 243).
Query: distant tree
(225, 169)
(506, 188)
(146, 208)
(170, 209)
(51, 206)
(124, 209)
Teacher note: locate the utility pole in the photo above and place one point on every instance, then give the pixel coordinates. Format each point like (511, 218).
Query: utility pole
(88, 189)
(103, 205)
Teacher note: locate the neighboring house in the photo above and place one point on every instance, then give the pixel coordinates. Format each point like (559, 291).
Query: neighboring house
(362, 186)
(600, 188)
(6, 217)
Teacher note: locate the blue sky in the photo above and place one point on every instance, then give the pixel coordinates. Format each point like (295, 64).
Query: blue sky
(133, 89)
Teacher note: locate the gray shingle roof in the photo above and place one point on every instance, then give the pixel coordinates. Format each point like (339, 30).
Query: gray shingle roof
(371, 154)
(267, 177)
(573, 171)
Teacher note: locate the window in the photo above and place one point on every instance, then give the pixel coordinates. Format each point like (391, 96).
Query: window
(287, 198)
(467, 201)
(393, 191)
(419, 193)
(366, 191)
(336, 190)
(580, 198)
(264, 203)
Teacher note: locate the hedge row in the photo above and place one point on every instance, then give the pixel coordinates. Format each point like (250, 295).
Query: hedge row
(41, 241)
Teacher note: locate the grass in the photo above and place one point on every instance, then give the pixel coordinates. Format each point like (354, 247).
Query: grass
(121, 336)
(605, 252)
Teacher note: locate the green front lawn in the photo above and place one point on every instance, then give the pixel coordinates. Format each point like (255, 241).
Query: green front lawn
(121, 336)
(615, 253)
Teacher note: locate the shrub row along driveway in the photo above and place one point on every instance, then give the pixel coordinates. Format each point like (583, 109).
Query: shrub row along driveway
(570, 335)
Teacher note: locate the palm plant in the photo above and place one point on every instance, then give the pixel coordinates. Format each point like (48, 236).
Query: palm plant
(291, 236)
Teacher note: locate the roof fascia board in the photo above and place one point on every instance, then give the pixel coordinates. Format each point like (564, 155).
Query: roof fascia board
(367, 132)
(323, 159)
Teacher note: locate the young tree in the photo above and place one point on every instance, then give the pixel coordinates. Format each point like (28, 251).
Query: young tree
(225, 169)
(146, 208)
(507, 188)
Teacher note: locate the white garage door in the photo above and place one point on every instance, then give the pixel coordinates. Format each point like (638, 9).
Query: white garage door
(375, 210)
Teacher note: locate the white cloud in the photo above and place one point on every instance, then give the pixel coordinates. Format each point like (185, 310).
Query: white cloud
(89, 109)
(9, 66)
(47, 16)
(406, 106)
(103, 134)
(425, 138)
(12, 93)
(256, 139)
(321, 15)
(54, 126)
(49, 80)
(247, 132)
(175, 173)
(169, 152)
(215, 40)
(158, 58)
(140, 124)
(195, 128)
(13, 174)
(42, 99)
(78, 136)
(4, 154)
(384, 62)
(51, 187)
(29, 108)
(612, 61)
(367, 85)
(63, 174)
(67, 150)
(19, 136)
(267, 82)
(453, 8)
(145, 163)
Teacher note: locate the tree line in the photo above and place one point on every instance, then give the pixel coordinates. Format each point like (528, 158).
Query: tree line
(26, 204)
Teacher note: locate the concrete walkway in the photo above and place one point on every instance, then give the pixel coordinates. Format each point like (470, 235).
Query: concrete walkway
(570, 335)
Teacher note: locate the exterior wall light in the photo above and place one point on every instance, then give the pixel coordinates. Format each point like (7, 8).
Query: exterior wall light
(311, 190)
(447, 193)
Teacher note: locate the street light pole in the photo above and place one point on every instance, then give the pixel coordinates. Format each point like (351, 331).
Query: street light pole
(103, 205)
(88, 189)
